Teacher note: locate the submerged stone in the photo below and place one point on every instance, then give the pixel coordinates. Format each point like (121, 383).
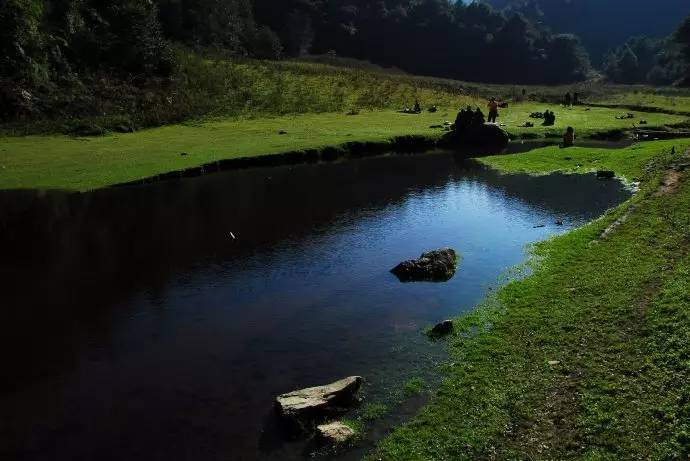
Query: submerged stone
(433, 266)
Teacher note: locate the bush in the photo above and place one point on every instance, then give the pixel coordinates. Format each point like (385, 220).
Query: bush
(265, 44)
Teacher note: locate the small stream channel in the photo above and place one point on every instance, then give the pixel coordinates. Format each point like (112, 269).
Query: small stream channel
(134, 326)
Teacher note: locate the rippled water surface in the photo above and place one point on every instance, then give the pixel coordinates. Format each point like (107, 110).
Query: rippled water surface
(136, 327)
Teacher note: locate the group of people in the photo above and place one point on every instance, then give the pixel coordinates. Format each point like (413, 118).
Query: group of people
(468, 117)
(573, 100)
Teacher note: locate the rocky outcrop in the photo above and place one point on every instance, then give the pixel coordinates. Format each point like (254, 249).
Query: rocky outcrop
(316, 402)
(335, 433)
(434, 266)
(486, 137)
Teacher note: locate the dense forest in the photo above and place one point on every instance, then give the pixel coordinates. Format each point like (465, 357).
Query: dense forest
(618, 34)
(602, 24)
(55, 47)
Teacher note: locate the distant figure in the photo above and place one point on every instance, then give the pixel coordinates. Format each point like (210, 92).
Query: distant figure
(417, 107)
(568, 100)
(569, 137)
(493, 110)
(576, 98)
(549, 118)
(478, 117)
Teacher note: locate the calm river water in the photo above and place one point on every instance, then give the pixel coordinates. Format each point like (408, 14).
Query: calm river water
(135, 327)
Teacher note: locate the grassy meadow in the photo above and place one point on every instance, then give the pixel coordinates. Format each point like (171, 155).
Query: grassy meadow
(85, 163)
(218, 109)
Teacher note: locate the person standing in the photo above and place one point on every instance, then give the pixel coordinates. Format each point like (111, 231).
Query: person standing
(569, 137)
(568, 100)
(493, 110)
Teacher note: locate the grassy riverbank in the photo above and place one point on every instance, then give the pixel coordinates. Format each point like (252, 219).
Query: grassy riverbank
(587, 357)
(84, 163)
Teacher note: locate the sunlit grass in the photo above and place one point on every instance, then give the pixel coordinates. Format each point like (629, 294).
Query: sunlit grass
(87, 163)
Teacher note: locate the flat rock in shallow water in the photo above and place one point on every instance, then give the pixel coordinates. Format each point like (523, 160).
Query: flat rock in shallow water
(335, 433)
(314, 402)
(434, 266)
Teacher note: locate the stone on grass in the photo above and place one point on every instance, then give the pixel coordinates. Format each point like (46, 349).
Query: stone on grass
(433, 266)
(335, 433)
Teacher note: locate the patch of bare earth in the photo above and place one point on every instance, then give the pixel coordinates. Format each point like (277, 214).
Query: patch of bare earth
(672, 179)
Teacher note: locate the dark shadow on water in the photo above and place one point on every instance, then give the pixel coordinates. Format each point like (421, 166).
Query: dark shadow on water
(134, 326)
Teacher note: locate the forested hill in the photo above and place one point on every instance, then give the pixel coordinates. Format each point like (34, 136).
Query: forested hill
(603, 24)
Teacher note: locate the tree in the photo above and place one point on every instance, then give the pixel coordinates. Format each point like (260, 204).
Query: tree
(21, 54)
(682, 36)
(568, 61)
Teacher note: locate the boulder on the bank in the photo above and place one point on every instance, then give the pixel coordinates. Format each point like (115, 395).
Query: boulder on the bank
(606, 174)
(335, 433)
(433, 266)
(486, 136)
(315, 402)
(443, 328)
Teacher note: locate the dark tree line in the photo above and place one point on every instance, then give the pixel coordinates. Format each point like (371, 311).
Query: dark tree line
(602, 24)
(646, 60)
(429, 37)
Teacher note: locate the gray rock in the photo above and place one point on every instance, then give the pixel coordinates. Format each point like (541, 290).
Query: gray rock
(433, 266)
(314, 402)
(335, 433)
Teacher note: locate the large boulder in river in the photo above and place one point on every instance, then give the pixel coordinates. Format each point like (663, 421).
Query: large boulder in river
(315, 402)
(486, 137)
(433, 266)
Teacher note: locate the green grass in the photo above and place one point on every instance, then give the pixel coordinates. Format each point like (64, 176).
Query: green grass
(414, 386)
(587, 358)
(586, 121)
(63, 162)
(212, 86)
(672, 103)
(628, 163)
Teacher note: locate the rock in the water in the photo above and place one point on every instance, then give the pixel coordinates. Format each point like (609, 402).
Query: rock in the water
(318, 401)
(487, 137)
(443, 328)
(335, 433)
(434, 266)
(605, 174)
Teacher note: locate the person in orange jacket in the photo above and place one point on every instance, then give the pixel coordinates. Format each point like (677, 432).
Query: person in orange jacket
(493, 110)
